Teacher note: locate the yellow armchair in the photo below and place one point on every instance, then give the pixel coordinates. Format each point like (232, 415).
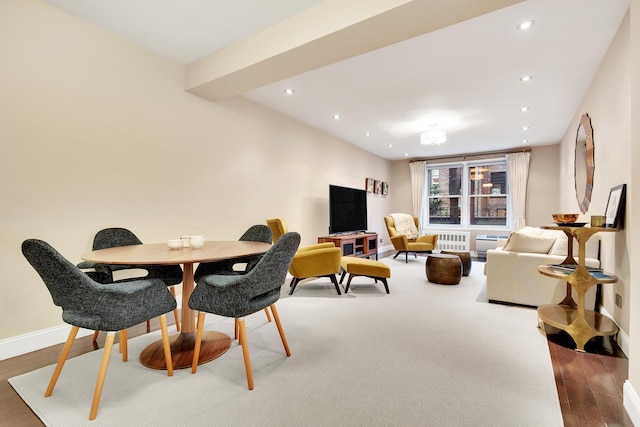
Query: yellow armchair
(313, 261)
(402, 244)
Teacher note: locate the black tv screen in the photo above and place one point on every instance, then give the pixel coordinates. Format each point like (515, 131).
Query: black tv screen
(347, 209)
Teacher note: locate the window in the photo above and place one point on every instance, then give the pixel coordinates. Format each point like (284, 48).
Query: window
(445, 194)
(467, 194)
(488, 195)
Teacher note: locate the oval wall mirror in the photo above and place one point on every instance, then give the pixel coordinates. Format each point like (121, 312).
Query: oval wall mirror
(584, 163)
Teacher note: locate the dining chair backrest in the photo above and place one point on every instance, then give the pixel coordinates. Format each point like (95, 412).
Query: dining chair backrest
(67, 284)
(251, 292)
(114, 237)
(257, 233)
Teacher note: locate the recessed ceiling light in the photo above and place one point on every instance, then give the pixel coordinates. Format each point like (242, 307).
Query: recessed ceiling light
(525, 78)
(367, 134)
(524, 109)
(336, 116)
(289, 91)
(524, 141)
(390, 146)
(406, 154)
(525, 25)
(525, 127)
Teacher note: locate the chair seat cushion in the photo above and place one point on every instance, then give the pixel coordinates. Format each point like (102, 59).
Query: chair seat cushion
(419, 246)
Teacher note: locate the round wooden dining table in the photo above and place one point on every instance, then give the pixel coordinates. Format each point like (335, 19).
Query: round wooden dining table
(214, 343)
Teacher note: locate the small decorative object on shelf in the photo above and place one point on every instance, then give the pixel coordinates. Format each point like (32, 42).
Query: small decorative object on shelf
(564, 218)
(598, 220)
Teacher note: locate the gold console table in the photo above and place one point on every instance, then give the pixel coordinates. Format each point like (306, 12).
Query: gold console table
(569, 315)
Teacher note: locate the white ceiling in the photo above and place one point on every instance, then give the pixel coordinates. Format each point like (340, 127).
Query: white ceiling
(463, 78)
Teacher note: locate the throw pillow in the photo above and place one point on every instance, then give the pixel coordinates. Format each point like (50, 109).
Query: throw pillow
(519, 242)
(404, 225)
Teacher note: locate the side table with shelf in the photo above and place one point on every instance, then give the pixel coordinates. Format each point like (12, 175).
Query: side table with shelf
(569, 315)
(358, 245)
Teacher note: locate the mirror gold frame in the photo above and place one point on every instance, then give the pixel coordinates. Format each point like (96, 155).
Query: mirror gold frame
(584, 164)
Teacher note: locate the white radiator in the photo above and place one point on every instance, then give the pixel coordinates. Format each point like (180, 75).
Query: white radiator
(453, 240)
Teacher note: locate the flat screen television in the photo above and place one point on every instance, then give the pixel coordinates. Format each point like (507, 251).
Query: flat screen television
(347, 209)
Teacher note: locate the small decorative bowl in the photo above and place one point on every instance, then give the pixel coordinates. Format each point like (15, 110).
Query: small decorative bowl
(565, 218)
(174, 243)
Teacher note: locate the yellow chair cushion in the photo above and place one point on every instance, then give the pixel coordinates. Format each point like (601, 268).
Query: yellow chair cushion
(365, 267)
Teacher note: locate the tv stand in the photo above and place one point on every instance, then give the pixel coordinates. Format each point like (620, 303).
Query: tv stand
(361, 244)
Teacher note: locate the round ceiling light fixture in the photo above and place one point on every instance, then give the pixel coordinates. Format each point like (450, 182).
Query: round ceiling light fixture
(433, 137)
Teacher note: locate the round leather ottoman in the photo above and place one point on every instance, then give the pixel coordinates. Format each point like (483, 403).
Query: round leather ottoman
(444, 269)
(465, 258)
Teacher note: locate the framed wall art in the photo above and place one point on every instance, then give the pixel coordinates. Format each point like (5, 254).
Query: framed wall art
(369, 185)
(615, 206)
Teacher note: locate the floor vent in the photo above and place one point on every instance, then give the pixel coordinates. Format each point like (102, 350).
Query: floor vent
(453, 241)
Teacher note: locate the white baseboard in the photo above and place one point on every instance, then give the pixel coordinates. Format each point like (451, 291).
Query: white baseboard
(623, 337)
(631, 403)
(22, 344)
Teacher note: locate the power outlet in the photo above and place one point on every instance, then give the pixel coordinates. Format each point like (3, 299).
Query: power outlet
(381, 240)
(619, 300)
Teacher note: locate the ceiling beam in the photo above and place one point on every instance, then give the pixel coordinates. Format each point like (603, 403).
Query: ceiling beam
(329, 32)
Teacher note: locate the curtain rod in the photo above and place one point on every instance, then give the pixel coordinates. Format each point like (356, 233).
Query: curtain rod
(471, 156)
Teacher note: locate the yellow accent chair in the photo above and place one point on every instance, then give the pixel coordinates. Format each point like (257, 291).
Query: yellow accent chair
(313, 261)
(403, 244)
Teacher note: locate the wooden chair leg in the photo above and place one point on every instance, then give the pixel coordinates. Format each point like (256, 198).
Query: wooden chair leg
(124, 347)
(279, 325)
(266, 310)
(148, 326)
(95, 335)
(236, 328)
(104, 364)
(63, 357)
(176, 314)
(245, 351)
(165, 345)
(196, 348)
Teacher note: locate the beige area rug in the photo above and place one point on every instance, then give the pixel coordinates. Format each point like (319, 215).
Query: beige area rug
(425, 355)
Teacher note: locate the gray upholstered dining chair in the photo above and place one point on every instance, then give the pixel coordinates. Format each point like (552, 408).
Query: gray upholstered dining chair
(238, 296)
(110, 307)
(170, 275)
(255, 233)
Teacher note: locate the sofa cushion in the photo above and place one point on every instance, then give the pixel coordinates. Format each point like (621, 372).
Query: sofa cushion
(523, 242)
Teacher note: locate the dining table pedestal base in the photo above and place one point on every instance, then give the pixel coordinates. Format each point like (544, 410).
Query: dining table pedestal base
(214, 344)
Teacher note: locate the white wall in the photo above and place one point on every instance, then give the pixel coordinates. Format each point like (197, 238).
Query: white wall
(632, 388)
(542, 189)
(608, 103)
(96, 132)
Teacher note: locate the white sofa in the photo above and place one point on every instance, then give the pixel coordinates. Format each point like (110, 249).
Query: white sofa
(512, 270)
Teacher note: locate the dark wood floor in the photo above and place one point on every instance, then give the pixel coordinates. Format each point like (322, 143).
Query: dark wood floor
(589, 384)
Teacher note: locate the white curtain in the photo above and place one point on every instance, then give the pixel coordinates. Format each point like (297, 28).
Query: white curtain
(517, 175)
(417, 170)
